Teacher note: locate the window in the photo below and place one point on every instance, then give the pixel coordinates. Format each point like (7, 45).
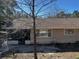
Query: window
(43, 33)
(49, 33)
(69, 32)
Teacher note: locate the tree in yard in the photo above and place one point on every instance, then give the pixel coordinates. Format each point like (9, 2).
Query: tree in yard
(6, 11)
(75, 13)
(61, 14)
(34, 8)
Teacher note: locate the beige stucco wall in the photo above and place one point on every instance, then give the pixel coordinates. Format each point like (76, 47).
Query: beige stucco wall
(58, 36)
(72, 38)
(40, 40)
(44, 40)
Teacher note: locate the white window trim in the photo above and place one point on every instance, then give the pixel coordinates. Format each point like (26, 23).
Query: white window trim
(44, 36)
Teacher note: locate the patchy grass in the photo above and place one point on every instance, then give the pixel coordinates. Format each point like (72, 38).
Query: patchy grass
(8, 54)
(63, 55)
(77, 58)
(9, 57)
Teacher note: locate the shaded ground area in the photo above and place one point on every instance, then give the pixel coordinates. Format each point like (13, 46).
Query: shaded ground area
(46, 48)
(29, 48)
(45, 51)
(68, 47)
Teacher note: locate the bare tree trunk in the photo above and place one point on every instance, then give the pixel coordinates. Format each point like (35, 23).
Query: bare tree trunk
(34, 28)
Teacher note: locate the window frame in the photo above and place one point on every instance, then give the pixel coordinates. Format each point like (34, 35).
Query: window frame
(48, 32)
(65, 30)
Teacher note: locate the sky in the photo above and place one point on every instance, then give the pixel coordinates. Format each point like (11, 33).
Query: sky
(65, 5)
(68, 5)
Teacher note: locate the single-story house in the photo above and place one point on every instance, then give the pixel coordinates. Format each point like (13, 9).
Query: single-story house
(51, 30)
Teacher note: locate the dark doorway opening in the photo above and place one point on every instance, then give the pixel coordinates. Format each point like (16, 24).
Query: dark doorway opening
(20, 35)
(25, 35)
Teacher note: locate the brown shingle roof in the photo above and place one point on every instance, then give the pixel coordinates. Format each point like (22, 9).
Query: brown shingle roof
(51, 23)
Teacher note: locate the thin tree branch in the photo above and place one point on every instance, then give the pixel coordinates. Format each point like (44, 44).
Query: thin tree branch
(22, 10)
(28, 4)
(46, 4)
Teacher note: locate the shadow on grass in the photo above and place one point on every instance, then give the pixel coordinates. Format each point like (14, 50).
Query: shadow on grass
(47, 48)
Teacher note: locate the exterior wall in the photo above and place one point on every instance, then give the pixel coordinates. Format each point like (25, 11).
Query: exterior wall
(16, 42)
(77, 34)
(44, 40)
(57, 36)
(13, 42)
(72, 38)
(31, 37)
(60, 37)
(41, 40)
